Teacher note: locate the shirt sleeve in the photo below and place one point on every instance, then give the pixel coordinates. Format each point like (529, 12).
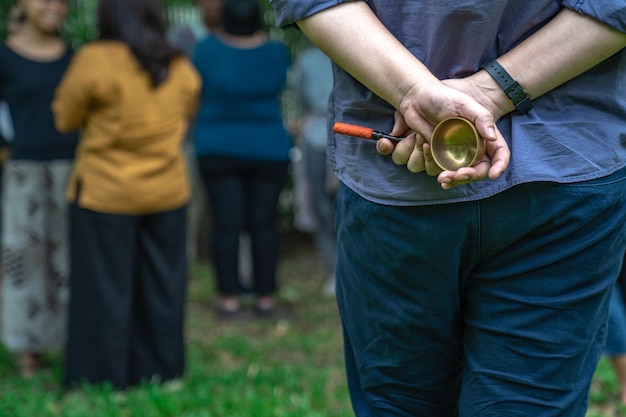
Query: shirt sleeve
(288, 12)
(74, 94)
(609, 12)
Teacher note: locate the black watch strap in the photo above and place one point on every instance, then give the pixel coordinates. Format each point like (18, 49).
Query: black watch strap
(511, 88)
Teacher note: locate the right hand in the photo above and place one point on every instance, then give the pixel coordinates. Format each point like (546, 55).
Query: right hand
(420, 110)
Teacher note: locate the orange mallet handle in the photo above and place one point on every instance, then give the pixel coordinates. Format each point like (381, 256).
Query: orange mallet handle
(361, 132)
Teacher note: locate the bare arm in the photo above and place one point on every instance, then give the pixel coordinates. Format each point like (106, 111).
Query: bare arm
(357, 41)
(352, 35)
(566, 47)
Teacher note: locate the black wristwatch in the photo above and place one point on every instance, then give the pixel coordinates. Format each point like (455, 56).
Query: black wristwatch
(512, 89)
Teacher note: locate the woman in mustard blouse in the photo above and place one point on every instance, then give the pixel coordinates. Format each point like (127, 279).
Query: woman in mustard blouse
(131, 94)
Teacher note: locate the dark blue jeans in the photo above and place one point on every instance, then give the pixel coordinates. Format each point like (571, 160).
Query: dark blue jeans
(243, 195)
(616, 329)
(490, 308)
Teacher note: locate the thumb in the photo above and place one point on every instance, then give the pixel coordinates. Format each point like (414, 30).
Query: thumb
(400, 128)
(486, 127)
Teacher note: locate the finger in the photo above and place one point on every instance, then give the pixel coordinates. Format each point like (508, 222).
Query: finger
(477, 172)
(415, 163)
(500, 157)
(486, 128)
(431, 166)
(400, 128)
(416, 160)
(385, 146)
(403, 150)
(484, 122)
(454, 184)
(465, 175)
(450, 182)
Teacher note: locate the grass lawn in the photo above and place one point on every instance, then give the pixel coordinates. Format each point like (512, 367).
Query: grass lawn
(272, 368)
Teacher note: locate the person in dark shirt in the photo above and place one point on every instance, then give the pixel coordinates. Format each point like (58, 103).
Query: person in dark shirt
(243, 151)
(34, 211)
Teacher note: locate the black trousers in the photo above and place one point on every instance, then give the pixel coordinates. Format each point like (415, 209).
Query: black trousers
(127, 296)
(243, 195)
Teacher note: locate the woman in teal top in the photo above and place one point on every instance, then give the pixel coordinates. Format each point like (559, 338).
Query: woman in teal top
(242, 148)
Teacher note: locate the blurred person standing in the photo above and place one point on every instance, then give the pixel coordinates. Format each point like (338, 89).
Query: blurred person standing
(186, 37)
(312, 82)
(242, 148)
(34, 211)
(132, 95)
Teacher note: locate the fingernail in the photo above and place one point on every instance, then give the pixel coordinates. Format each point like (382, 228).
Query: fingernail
(492, 132)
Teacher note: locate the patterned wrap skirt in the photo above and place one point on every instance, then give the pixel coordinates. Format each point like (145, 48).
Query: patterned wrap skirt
(35, 255)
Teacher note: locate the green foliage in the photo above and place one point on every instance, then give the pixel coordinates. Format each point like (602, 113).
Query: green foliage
(5, 6)
(604, 393)
(80, 26)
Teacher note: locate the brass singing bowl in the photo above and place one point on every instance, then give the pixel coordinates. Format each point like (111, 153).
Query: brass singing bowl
(455, 143)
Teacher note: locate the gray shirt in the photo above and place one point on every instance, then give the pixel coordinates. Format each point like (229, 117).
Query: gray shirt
(574, 133)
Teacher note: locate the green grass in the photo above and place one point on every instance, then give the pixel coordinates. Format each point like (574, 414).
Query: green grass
(260, 368)
(274, 368)
(603, 398)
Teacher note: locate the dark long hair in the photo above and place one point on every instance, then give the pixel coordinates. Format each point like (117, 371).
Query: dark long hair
(241, 17)
(141, 25)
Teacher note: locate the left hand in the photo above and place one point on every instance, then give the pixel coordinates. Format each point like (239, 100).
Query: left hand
(415, 151)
